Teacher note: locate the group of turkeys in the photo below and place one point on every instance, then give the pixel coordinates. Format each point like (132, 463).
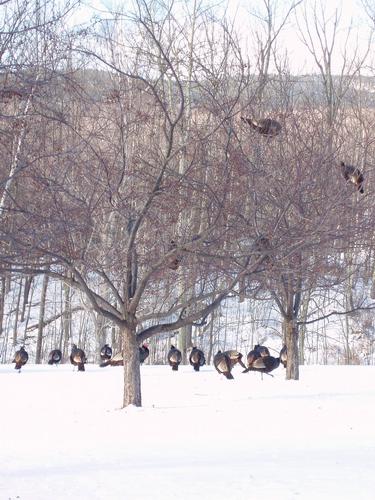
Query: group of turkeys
(259, 359)
(78, 357)
(270, 128)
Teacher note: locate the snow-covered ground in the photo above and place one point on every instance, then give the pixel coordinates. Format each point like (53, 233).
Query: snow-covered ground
(197, 435)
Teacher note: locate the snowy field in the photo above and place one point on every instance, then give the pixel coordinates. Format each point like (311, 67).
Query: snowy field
(198, 435)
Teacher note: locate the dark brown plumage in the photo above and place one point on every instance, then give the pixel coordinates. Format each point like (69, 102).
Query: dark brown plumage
(105, 352)
(174, 262)
(264, 364)
(144, 352)
(223, 364)
(55, 356)
(235, 357)
(353, 175)
(196, 358)
(264, 126)
(20, 358)
(78, 358)
(258, 352)
(174, 357)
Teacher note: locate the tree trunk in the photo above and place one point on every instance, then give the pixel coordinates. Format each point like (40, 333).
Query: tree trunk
(184, 341)
(16, 314)
(291, 337)
(132, 371)
(2, 303)
(42, 308)
(66, 320)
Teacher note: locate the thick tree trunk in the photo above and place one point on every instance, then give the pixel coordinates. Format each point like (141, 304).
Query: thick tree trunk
(184, 341)
(132, 371)
(291, 339)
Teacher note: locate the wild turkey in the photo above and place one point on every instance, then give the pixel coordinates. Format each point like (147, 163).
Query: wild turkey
(144, 351)
(174, 357)
(20, 358)
(78, 358)
(196, 358)
(264, 364)
(264, 126)
(116, 360)
(283, 356)
(174, 262)
(257, 352)
(55, 357)
(235, 357)
(223, 364)
(105, 352)
(354, 175)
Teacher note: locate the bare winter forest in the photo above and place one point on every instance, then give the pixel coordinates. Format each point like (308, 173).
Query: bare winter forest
(136, 205)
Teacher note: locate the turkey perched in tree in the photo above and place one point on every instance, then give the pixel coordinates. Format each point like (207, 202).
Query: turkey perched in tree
(174, 357)
(105, 352)
(257, 352)
(264, 126)
(20, 358)
(354, 175)
(55, 357)
(283, 356)
(144, 351)
(196, 358)
(223, 364)
(263, 364)
(174, 262)
(78, 358)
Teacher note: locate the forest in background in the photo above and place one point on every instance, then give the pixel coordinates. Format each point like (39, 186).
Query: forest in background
(136, 205)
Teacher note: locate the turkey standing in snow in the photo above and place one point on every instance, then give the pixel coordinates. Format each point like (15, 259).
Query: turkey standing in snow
(196, 358)
(264, 364)
(223, 364)
(55, 357)
(257, 352)
(105, 352)
(174, 357)
(235, 357)
(20, 358)
(78, 358)
(264, 126)
(353, 175)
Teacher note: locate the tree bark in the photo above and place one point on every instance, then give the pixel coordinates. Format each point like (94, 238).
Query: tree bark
(2, 303)
(66, 320)
(291, 337)
(42, 308)
(132, 371)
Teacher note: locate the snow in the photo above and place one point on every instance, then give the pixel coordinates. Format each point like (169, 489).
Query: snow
(198, 435)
